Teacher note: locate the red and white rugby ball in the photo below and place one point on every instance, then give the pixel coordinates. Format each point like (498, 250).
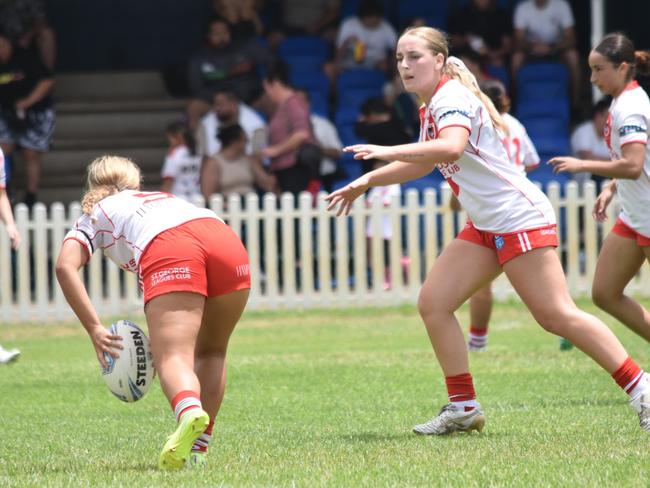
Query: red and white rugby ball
(129, 376)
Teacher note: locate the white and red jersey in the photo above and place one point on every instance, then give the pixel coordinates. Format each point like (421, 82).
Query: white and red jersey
(3, 175)
(123, 224)
(184, 169)
(520, 148)
(627, 123)
(495, 195)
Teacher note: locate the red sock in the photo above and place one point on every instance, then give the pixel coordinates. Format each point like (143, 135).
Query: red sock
(202, 443)
(477, 331)
(184, 401)
(460, 388)
(628, 375)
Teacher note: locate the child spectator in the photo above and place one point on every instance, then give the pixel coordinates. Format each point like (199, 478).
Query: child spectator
(182, 168)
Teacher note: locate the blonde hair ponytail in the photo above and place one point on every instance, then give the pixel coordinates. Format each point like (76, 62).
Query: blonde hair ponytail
(108, 175)
(454, 68)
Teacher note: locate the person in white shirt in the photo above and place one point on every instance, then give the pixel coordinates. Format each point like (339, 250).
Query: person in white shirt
(512, 227)
(588, 141)
(366, 40)
(523, 156)
(546, 29)
(182, 168)
(195, 278)
(229, 110)
(7, 217)
(614, 64)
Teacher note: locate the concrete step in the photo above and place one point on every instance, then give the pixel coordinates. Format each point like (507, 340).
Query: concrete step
(121, 105)
(63, 143)
(113, 125)
(131, 85)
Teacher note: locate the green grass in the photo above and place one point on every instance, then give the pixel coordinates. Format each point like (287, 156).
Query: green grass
(328, 398)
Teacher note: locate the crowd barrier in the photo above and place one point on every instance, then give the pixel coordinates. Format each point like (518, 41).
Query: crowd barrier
(301, 255)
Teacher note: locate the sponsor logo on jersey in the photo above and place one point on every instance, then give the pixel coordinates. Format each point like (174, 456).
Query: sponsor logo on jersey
(630, 129)
(499, 242)
(454, 111)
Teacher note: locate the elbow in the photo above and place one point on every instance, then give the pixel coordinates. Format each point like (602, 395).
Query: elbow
(62, 270)
(455, 153)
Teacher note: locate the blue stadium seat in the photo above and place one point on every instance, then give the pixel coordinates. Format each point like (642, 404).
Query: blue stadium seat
(353, 87)
(350, 7)
(549, 134)
(304, 46)
(532, 108)
(435, 13)
(543, 71)
(500, 73)
(316, 83)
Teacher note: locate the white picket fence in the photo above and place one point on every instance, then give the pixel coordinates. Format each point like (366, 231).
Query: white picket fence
(301, 256)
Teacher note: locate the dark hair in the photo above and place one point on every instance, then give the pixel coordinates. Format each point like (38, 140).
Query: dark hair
(179, 127)
(217, 19)
(618, 48)
(370, 8)
(278, 71)
(228, 90)
(229, 134)
(496, 92)
(375, 105)
(601, 105)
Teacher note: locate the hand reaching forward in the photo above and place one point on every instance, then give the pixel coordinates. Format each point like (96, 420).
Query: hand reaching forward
(566, 164)
(347, 195)
(370, 151)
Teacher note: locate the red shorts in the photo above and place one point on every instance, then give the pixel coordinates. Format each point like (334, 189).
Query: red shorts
(512, 244)
(202, 256)
(622, 229)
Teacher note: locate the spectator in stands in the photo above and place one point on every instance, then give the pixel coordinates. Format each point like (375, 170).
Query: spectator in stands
(403, 104)
(475, 64)
(222, 62)
(227, 110)
(26, 109)
(182, 168)
(544, 29)
(327, 137)
(231, 171)
(485, 28)
(242, 17)
(290, 135)
(306, 18)
(366, 40)
(378, 125)
(25, 24)
(588, 141)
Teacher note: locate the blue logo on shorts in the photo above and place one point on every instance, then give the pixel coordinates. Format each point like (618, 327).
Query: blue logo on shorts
(499, 242)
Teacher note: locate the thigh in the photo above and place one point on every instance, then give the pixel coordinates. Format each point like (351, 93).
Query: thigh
(220, 315)
(461, 269)
(174, 320)
(38, 134)
(538, 278)
(619, 260)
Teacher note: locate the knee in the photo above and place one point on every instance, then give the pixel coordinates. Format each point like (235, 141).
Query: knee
(430, 307)
(602, 296)
(210, 352)
(556, 320)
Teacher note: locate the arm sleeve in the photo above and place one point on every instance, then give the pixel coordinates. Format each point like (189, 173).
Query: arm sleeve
(85, 234)
(529, 156)
(633, 128)
(453, 110)
(169, 169)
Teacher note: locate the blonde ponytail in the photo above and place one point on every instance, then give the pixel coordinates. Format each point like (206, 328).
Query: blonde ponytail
(108, 175)
(467, 79)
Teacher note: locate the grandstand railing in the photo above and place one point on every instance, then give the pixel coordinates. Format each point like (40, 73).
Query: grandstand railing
(301, 255)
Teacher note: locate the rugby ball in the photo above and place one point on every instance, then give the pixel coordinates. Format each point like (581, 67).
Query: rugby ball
(129, 376)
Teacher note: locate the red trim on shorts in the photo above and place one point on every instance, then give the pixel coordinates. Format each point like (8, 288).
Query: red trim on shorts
(622, 229)
(512, 244)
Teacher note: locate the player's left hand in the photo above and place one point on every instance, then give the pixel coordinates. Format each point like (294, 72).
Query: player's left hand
(566, 164)
(370, 151)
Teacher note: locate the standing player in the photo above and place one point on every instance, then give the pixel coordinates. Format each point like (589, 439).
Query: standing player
(7, 216)
(614, 64)
(182, 168)
(512, 229)
(523, 155)
(195, 279)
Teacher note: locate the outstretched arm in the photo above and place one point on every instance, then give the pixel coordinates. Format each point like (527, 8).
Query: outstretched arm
(629, 166)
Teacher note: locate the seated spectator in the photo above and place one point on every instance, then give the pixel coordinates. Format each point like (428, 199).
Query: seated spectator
(484, 27)
(227, 110)
(222, 62)
(306, 18)
(366, 40)
(182, 168)
(329, 141)
(403, 104)
(378, 125)
(26, 109)
(588, 141)
(231, 171)
(474, 63)
(25, 24)
(544, 29)
(242, 17)
(290, 135)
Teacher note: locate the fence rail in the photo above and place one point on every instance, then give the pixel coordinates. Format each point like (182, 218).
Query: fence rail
(301, 256)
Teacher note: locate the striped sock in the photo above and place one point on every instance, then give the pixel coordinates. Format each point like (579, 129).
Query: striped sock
(631, 378)
(203, 442)
(184, 401)
(477, 337)
(460, 389)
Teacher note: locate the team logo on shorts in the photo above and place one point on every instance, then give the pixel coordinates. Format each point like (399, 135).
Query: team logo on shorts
(499, 242)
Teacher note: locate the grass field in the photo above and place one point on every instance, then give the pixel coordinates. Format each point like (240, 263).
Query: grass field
(328, 398)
